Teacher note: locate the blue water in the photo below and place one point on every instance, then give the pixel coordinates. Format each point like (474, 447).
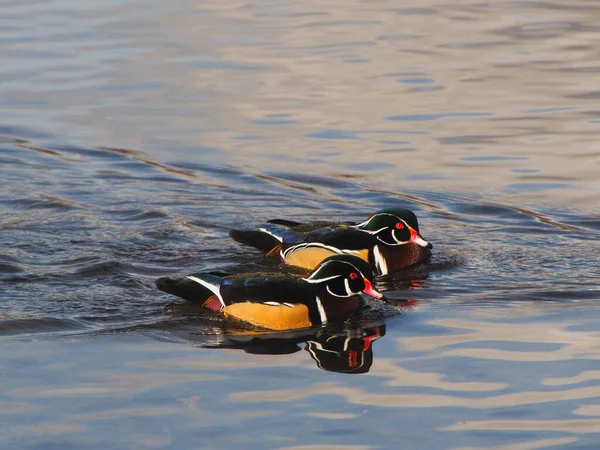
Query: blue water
(134, 135)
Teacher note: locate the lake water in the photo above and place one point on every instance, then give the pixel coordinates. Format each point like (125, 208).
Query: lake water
(134, 134)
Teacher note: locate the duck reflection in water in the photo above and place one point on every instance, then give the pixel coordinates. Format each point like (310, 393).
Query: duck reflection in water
(343, 349)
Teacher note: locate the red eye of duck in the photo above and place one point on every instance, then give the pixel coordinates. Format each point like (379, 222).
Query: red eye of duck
(399, 225)
(353, 276)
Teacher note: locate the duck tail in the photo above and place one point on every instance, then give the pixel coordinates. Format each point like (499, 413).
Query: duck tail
(196, 288)
(267, 238)
(257, 239)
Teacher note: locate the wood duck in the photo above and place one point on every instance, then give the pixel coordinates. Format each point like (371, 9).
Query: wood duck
(389, 240)
(278, 301)
(343, 350)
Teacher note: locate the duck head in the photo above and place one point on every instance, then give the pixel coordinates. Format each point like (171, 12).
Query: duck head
(394, 226)
(344, 276)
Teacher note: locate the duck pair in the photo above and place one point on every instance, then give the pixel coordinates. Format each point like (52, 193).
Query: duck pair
(344, 259)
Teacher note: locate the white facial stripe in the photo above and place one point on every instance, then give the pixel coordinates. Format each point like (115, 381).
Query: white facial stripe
(396, 239)
(377, 215)
(335, 295)
(347, 286)
(376, 231)
(264, 230)
(321, 309)
(392, 245)
(211, 287)
(346, 262)
(348, 289)
(380, 261)
(359, 225)
(320, 280)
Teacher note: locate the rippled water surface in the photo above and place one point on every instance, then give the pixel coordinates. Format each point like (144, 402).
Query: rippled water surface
(134, 134)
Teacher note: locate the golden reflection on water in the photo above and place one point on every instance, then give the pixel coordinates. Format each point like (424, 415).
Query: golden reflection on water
(125, 412)
(528, 445)
(570, 344)
(566, 425)
(327, 447)
(363, 397)
(113, 384)
(16, 408)
(49, 429)
(400, 376)
(579, 378)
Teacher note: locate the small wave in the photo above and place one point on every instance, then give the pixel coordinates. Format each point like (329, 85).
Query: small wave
(105, 267)
(310, 180)
(137, 215)
(20, 327)
(43, 201)
(10, 268)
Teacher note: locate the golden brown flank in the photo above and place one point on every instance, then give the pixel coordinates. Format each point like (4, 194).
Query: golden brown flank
(310, 257)
(270, 316)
